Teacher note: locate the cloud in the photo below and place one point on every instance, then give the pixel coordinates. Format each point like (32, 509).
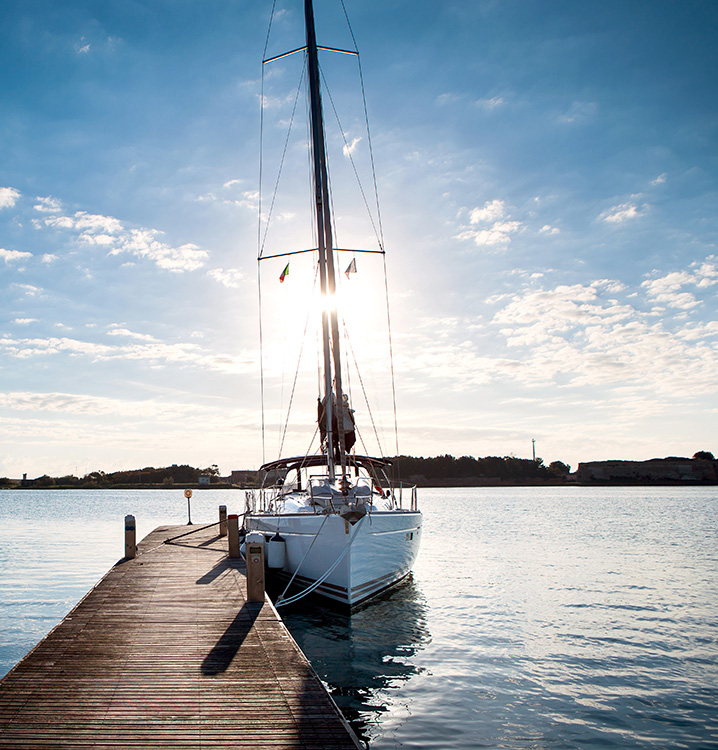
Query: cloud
(230, 277)
(499, 234)
(86, 223)
(48, 205)
(493, 229)
(668, 289)
(80, 404)
(109, 232)
(491, 210)
(24, 321)
(10, 256)
(8, 197)
(659, 180)
(350, 148)
(548, 229)
(249, 198)
(448, 97)
(272, 102)
(579, 112)
(130, 334)
(49, 258)
(143, 348)
(143, 243)
(706, 272)
(489, 104)
(82, 47)
(29, 289)
(582, 334)
(576, 336)
(623, 212)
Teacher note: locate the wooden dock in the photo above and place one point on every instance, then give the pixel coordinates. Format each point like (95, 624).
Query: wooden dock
(165, 652)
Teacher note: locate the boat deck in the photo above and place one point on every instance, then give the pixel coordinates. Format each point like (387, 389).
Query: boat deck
(166, 652)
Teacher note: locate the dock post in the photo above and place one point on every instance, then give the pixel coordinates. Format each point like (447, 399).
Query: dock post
(233, 535)
(255, 566)
(223, 520)
(130, 538)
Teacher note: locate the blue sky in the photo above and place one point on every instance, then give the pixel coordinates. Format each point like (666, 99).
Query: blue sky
(547, 177)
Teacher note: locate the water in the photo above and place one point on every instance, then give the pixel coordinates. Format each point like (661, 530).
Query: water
(536, 617)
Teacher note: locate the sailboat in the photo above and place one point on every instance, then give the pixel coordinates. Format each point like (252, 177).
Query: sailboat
(335, 524)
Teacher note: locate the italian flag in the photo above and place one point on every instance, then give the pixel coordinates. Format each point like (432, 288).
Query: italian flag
(285, 273)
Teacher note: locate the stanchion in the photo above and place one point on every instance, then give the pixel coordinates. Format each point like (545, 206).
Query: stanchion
(223, 520)
(130, 538)
(254, 552)
(233, 535)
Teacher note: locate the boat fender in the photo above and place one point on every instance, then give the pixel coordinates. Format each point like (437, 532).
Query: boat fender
(276, 552)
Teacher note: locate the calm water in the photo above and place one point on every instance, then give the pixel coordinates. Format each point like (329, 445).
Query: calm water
(536, 618)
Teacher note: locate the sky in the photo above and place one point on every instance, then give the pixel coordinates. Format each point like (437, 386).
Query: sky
(547, 180)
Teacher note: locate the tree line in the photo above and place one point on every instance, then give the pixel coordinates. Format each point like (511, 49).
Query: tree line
(448, 467)
(166, 476)
(434, 469)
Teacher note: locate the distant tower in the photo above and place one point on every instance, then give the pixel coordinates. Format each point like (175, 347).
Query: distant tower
(533, 447)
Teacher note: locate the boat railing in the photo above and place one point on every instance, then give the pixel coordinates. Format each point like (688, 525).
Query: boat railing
(398, 495)
(264, 499)
(250, 501)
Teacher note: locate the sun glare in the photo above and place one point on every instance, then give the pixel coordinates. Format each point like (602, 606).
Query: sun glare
(292, 320)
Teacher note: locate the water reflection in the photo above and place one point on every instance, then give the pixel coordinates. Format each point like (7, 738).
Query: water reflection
(360, 655)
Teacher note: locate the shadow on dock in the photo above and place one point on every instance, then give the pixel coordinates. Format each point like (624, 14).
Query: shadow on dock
(165, 652)
(223, 565)
(220, 657)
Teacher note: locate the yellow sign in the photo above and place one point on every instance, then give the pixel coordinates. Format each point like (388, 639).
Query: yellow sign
(188, 494)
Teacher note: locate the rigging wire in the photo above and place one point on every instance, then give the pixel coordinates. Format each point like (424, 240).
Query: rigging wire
(261, 361)
(261, 130)
(366, 122)
(281, 164)
(391, 357)
(364, 393)
(353, 163)
(376, 226)
(296, 372)
(259, 233)
(379, 221)
(269, 29)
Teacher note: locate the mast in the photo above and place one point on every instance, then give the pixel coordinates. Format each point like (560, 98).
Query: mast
(327, 276)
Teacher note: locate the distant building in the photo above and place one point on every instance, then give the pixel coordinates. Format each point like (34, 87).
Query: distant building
(671, 470)
(204, 480)
(244, 478)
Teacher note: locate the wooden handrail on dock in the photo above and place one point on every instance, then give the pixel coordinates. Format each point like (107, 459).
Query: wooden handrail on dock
(166, 652)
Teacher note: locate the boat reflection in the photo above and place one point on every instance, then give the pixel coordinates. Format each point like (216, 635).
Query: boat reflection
(359, 656)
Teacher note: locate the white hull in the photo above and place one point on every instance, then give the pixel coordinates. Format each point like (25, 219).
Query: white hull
(376, 552)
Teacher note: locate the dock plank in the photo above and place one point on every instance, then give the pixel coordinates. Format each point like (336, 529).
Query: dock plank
(166, 652)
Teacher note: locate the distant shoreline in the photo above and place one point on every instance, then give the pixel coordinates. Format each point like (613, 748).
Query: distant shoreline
(193, 487)
(437, 471)
(429, 484)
